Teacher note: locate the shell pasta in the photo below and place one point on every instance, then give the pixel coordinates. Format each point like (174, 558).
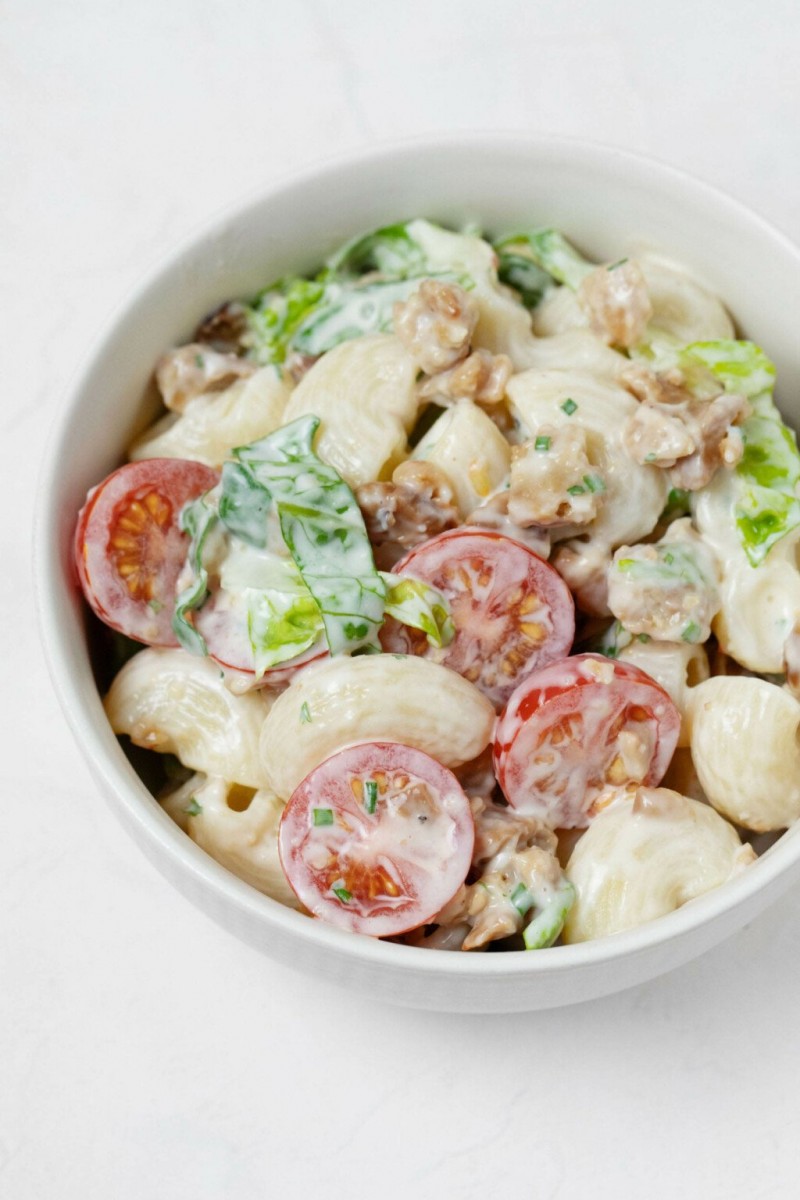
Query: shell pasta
(441, 570)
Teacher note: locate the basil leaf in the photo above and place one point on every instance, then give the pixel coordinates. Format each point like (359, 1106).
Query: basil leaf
(520, 272)
(275, 315)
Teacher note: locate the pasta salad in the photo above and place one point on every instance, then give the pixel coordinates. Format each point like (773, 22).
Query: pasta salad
(457, 590)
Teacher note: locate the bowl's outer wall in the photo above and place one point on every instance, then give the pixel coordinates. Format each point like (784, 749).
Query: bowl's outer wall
(609, 202)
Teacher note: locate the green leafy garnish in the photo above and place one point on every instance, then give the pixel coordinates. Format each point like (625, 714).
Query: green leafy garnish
(197, 518)
(277, 314)
(675, 563)
(391, 251)
(569, 406)
(324, 531)
(576, 489)
(305, 714)
(323, 816)
(691, 632)
(542, 443)
(517, 269)
(341, 893)
(550, 250)
(522, 899)
(419, 605)
(612, 640)
(193, 809)
(283, 620)
(594, 483)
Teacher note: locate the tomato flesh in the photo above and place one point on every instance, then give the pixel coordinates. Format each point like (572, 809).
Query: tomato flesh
(129, 550)
(512, 611)
(577, 728)
(377, 839)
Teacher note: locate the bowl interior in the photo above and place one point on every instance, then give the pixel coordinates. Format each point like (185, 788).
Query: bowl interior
(609, 202)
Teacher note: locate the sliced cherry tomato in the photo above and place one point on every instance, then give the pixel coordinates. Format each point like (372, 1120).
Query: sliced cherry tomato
(377, 839)
(129, 550)
(577, 728)
(512, 611)
(223, 625)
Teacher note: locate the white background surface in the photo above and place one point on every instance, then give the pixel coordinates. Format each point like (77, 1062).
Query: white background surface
(143, 1052)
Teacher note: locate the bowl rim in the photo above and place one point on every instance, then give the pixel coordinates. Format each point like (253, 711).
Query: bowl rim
(771, 873)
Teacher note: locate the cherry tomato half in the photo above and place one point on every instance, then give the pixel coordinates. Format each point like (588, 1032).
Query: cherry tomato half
(377, 839)
(129, 550)
(512, 611)
(577, 727)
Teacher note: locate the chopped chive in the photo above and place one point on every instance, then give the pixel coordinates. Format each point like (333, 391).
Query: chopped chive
(569, 406)
(691, 632)
(594, 483)
(199, 361)
(576, 490)
(669, 559)
(305, 713)
(625, 564)
(193, 809)
(370, 795)
(620, 262)
(521, 899)
(542, 443)
(323, 816)
(649, 458)
(341, 893)
(643, 637)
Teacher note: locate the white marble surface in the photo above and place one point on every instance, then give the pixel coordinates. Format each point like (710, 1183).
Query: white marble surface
(143, 1052)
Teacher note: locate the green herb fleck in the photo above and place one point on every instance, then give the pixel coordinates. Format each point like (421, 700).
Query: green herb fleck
(576, 490)
(341, 893)
(594, 483)
(650, 458)
(199, 361)
(619, 263)
(323, 816)
(193, 809)
(669, 558)
(569, 406)
(691, 632)
(643, 637)
(370, 795)
(542, 443)
(156, 605)
(305, 714)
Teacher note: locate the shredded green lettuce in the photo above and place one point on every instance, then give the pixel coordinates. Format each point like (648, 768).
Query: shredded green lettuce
(677, 563)
(324, 531)
(197, 518)
(612, 640)
(391, 251)
(549, 250)
(419, 605)
(766, 505)
(283, 620)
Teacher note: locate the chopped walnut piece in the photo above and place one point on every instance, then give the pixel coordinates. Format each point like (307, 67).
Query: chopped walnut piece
(667, 589)
(675, 430)
(616, 301)
(552, 481)
(194, 370)
(516, 861)
(481, 377)
(224, 329)
(584, 568)
(435, 324)
(493, 514)
(414, 507)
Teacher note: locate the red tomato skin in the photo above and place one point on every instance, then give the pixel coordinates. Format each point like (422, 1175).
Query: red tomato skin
(173, 482)
(561, 693)
(519, 570)
(328, 786)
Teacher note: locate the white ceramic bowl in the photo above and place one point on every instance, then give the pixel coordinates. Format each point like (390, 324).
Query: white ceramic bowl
(605, 199)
